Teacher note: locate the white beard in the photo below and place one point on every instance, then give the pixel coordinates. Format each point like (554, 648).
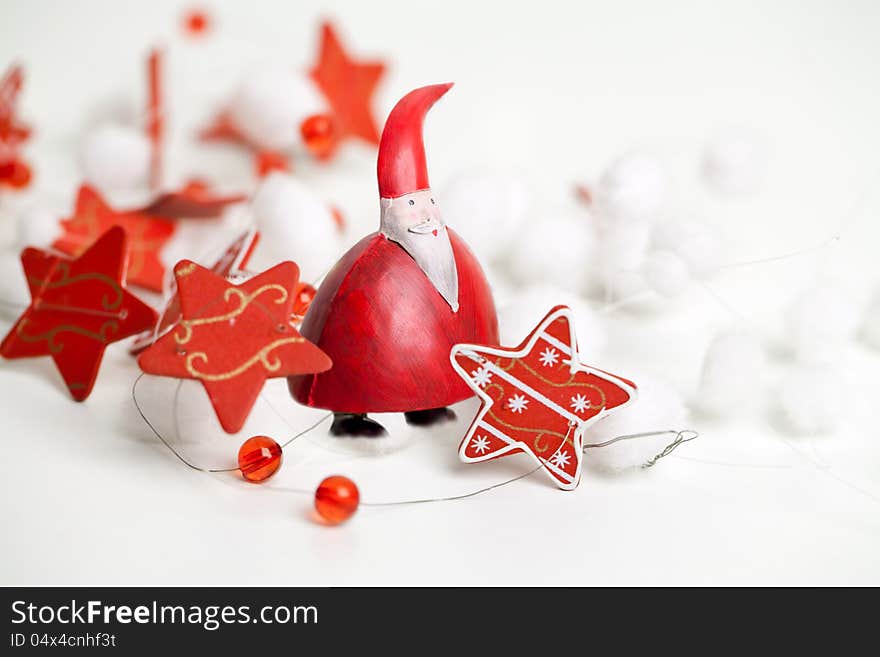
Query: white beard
(434, 256)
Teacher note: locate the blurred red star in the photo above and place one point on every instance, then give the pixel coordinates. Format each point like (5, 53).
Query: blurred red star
(14, 172)
(195, 200)
(12, 133)
(146, 236)
(348, 85)
(78, 307)
(232, 338)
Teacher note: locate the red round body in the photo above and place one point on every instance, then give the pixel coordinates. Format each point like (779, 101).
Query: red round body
(259, 458)
(389, 332)
(337, 499)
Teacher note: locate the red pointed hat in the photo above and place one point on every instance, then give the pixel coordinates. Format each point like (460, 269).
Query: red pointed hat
(401, 167)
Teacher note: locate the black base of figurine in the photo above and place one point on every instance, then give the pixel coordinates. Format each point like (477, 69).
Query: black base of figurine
(429, 417)
(357, 425)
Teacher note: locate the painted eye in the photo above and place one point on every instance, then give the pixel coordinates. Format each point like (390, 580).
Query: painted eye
(411, 202)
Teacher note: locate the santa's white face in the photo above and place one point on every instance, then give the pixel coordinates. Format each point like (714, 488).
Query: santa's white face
(414, 222)
(417, 213)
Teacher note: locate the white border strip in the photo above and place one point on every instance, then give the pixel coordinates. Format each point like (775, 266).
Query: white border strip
(549, 403)
(495, 432)
(556, 343)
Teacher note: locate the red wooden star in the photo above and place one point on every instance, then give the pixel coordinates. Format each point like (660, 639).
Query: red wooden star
(195, 200)
(146, 236)
(234, 337)
(230, 264)
(348, 85)
(537, 398)
(78, 307)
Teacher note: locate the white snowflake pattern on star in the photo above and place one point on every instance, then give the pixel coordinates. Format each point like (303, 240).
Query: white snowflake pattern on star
(549, 357)
(517, 403)
(482, 376)
(580, 403)
(481, 445)
(560, 459)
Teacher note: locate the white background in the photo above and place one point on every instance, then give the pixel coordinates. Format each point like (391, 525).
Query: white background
(555, 90)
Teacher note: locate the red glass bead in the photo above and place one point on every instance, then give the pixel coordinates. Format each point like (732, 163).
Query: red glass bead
(319, 134)
(337, 499)
(259, 458)
(196, 22)
(302, 300)
(15, 173)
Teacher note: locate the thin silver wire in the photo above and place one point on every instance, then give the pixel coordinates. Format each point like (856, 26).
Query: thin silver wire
(682, 436)
(159, 435)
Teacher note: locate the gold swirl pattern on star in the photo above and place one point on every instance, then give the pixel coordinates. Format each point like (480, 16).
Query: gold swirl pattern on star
(66, 280)
(185, 270)
(569, 383)
(262, 356)
(244, 300)
(101, 335)
(539, 443)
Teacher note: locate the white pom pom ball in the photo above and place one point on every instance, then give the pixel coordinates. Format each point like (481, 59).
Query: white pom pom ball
(633, 187)
(623, 286)
(871, 322)
(811, 401)
(270, 105)
(735, 162)
(821, 321)
(732, 378)
(519, 317)
(14, 295)
(620, 252)
(623, 244)
(295, 225)
(699, 244)
(37, 227)
(554, 251)
(115, 157)
(667, 273)
(658, 407)
(487, 210)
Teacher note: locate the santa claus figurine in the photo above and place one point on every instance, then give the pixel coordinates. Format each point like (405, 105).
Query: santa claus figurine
(392, 308)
